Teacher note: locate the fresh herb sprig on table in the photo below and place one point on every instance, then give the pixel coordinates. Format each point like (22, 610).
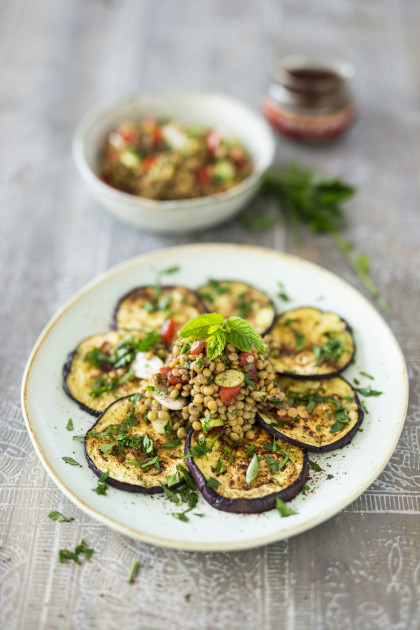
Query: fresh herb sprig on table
(308, 198)
(219, 332)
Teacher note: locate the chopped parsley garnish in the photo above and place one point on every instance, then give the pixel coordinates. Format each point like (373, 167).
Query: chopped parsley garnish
(282, 293)
(311, 406)
(57, 516)
(123, 352)
(70, 425)
(71, 461)
(187, 494)
(212, 483)
(65, 554)
(152, 461)
(368, 391)
(134, 568)
(284, 461)
(172, 480)
(330, 476)
(202, 448)
(229, 454)
(368, 375)
(187, 596)
(315, 466)
(249, 381)
(273, 463)
(172, 443)
(365, 409)
(300, 340)
(329, 352)
(152, 388)
(218, 287)
(102, 486)
(250, 448)
(305, 488)
(283, 509)
(221, 467)
(341, 418)
(106, 448)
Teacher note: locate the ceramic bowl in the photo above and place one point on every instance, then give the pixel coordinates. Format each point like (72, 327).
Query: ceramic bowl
(223, 113)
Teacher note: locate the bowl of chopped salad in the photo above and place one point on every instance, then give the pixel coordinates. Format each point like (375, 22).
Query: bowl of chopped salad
(173, 162)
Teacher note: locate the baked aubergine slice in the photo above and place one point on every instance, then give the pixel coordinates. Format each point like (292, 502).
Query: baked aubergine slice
(138, 458)
(328, 414)
(246, 478)
(309, 343)
(229, 298)
(150, 308)
(107, 366)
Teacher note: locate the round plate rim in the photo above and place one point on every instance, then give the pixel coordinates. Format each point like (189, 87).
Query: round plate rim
(185, 545)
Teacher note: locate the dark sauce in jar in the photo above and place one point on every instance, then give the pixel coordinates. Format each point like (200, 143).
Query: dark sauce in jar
(310, 100)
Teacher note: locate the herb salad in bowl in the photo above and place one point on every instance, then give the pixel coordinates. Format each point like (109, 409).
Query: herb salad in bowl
(174, 162)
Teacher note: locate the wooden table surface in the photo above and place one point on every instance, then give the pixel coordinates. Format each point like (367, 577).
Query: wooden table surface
(360, 570)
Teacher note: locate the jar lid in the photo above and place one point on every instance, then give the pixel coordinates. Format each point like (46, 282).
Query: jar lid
(304, 73)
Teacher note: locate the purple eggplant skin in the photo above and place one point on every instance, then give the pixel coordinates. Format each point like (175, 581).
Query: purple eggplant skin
(114, 324)
(120, 485)
(321, 377)
(271, 302)
(343, 441)
(66, 372)
(243, 505)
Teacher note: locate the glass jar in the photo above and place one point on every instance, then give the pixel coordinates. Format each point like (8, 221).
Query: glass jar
(309, 98)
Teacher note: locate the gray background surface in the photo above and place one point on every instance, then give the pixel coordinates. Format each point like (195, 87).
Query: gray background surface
(361, 569)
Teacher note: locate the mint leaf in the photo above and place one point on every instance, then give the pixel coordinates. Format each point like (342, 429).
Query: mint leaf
(242, 335)
(57, 516)
(283, 509)
(71, 461)
(216, 344)
(368, 391)
(198, 327)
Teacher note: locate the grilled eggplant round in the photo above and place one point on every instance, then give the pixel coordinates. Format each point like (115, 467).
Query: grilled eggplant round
(133, 464)
(312, 344)
(329, 414)
(229, 298)
(93, 382)
(281, 475)
(149, 307)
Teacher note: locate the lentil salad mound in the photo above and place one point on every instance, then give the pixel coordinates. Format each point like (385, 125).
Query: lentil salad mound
(223, 392)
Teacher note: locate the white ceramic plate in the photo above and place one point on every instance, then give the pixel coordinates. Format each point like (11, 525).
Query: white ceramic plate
(46, 408)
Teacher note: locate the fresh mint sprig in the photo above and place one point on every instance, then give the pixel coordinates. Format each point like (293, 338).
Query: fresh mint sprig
(219, 332)
(308, 198)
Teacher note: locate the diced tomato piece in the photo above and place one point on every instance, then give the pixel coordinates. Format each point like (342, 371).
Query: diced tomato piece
(203, 177)
(168, 329)
(213, 141)
(228, 394)
(252, 370)
(237, 155)
(172, 379)
(157, 136)
(285, 417)
(198, 347)
(128, 133)
(148, 162)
